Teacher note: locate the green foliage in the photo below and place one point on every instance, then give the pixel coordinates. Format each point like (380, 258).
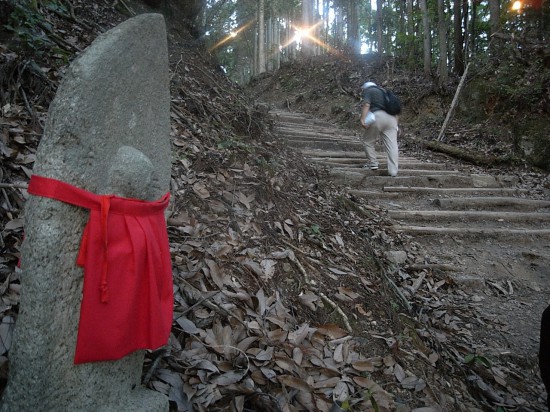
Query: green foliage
(32, 30)
(26, 24)
(480, 360)
(234, 144)
(517, 80)
(370, 396)
(315, 230)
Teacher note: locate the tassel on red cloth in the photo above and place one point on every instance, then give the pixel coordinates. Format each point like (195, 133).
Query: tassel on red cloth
(127, 301)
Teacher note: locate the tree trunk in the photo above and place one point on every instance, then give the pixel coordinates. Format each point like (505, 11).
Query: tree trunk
(326, 7)
(261, 36)
(458, 51)
(494, 16)
(291, 48)
(427, 42)
(339, 27)
(354, 43)
(307, 19)
(472, 36)
(466, 25)
(442, 34)
(379, 27)
(412, 48)
(270, 46)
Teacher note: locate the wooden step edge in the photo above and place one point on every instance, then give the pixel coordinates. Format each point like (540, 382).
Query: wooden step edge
(373, 194)
(470, 215)
(408, 172)
(335, 153)
(409, 189)
(453, 202)
(434, 230)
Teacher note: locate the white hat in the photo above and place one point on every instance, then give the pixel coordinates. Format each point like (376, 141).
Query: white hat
(367, 85)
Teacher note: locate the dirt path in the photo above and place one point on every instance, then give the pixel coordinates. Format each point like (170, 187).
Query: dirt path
(489, 233)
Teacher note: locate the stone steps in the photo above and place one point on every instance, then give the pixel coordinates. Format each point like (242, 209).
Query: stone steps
(444, 200)
(359, 162)
(466, 217)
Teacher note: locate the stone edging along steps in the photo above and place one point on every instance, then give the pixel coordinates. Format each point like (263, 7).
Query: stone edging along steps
(482, 228)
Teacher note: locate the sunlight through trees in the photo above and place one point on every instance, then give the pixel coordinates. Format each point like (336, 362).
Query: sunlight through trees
(436, 36)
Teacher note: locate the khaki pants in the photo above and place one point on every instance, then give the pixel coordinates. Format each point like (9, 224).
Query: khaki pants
(385, 126)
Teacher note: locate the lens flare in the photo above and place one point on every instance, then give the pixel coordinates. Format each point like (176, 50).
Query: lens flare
(231, 35)
(301, 33)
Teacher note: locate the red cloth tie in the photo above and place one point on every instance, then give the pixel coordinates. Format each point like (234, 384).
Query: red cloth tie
(127, 301)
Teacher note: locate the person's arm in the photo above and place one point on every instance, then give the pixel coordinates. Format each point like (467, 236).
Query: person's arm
(364, 112)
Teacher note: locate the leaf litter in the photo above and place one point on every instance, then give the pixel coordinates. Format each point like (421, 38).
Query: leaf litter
(284, 297)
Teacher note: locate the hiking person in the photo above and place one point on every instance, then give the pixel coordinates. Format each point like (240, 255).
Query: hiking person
(377, 122)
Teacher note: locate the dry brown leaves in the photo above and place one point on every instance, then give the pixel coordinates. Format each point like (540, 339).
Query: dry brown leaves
(239, 340)
(284, 301)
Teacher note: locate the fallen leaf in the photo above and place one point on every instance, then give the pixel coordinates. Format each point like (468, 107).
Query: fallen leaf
(215, 273)
(187, 326)
(14, 224)
(341, 392)
(308, 300)
(399, 372)
(297, 355)
(265, 355)
(366, 365)
(228, 378)
(268, 267)
(332, 331)
(338, 353)
(298, 335)
(349, 292)
(294, 382)
(201, 191)
(327, 383)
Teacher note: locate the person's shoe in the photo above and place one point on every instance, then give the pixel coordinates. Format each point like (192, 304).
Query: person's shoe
(367, 166)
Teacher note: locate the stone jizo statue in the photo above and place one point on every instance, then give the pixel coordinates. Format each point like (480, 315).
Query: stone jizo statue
(96, 285)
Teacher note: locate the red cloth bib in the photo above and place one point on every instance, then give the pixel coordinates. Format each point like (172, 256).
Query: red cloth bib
(127, 301)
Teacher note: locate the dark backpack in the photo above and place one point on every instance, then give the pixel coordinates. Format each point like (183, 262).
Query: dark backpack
(393, 104)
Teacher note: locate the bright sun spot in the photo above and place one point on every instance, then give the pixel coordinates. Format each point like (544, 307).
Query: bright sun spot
(516, 5)
(298, 35)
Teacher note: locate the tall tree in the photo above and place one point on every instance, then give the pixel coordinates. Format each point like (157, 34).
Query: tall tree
(379, 28)
(458, 49)
(411, 34)
(442, 70)
(426, 37)
(473, 29)
(494, 16)
(466, 26)
(354, 43)
(307, 21)
(338, 30)
(261, 36)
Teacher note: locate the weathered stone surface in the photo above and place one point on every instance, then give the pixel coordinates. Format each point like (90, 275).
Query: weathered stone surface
(397, 257)
(107, 132)
(483, 181)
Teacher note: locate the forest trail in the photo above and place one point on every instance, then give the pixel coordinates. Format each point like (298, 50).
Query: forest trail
(488, 233)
